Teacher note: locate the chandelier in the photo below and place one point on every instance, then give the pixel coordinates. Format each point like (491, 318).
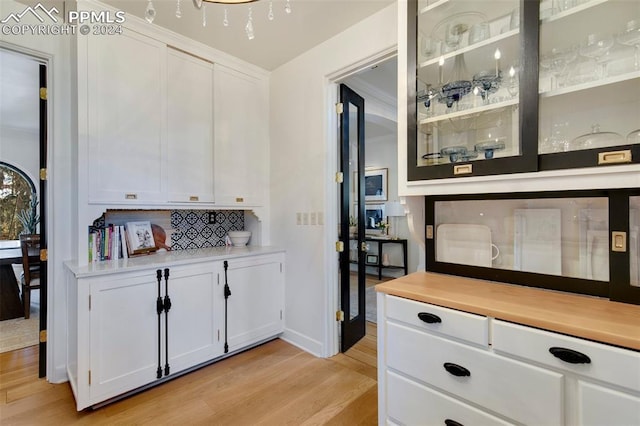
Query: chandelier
(150, 12)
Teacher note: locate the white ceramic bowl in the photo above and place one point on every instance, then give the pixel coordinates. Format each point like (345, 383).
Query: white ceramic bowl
(239, 238)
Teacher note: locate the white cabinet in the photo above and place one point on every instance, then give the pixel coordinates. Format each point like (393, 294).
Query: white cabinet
(124, 343)
(130, 329)
(241, 137)
(189, 128)
(442, 371)
(122, 117)
(255, 306)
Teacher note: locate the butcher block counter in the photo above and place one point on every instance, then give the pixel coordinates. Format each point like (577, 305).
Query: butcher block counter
(587, 317)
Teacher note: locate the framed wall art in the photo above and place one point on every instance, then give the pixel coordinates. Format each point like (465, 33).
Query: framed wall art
(375, 185)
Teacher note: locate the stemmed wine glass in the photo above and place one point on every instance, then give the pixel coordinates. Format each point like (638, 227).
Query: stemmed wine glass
(595, 47)
(557, 62)
(631, 37)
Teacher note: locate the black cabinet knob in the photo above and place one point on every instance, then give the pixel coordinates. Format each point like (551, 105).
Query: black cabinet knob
(429, 318)
(449, 422)
(569, 355)
(456, 370)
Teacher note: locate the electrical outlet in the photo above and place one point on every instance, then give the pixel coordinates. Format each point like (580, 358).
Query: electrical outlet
(212, 218)
(298, 218)
(312, 218)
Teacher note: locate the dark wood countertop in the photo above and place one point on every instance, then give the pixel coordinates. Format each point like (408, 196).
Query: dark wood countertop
(582, 316)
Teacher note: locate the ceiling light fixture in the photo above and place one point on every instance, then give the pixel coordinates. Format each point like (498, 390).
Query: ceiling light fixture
(150, 12)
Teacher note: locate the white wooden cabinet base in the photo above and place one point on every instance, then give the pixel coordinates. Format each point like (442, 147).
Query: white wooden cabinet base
(131, 329)
(436, 366)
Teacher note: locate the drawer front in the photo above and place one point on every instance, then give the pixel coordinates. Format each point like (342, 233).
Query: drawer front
(449, 322)
(411, 403)
(599, 406)
(607, 363)
(518, 391)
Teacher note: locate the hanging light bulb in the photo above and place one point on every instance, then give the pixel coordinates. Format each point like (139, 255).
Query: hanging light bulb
(178, 10)
(270, 15)
(204, 15)
(287, 7)
(225, 21)
(249, 27)
(150, 12)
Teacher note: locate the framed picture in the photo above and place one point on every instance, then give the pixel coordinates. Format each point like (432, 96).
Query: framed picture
(140, 238)
(373, 214)
(375, 185)
(372, 259)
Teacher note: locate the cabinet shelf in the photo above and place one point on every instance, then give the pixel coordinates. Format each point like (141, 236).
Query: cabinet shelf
(471, 111)
(591, 84)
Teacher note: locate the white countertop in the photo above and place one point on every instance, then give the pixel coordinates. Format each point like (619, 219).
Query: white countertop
(162, 259)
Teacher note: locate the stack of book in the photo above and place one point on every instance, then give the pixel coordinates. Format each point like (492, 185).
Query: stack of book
(107, 243)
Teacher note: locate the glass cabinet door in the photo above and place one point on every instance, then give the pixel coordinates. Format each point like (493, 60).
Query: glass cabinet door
(589, 83)
(470, 90)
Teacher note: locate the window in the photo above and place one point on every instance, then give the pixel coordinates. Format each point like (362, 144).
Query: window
(17, 197)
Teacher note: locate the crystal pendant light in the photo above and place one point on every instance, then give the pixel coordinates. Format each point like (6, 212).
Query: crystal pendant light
(270, 15)
(150, 12)
(178, 10)
(225, 21)
(204, 15)
(287, 7)
(249, 27)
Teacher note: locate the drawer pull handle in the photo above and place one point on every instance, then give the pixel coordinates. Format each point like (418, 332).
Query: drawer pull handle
(449, 422)
(429, 318)
(456, 369)
(570, 356)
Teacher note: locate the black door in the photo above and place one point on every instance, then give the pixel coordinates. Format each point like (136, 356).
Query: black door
(42, 369)
(352, 257)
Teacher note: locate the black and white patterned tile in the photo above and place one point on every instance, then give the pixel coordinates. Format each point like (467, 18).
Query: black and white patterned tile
(192, 228)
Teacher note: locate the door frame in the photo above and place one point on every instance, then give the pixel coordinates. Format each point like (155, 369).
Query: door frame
(44, 350)
(331, 343)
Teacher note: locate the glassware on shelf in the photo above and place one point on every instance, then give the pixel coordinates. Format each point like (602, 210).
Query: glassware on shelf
(558, 141)
(596, 46)
(634, 137)
(458, 153)
(478, 32)
(597, 139)
(429, 46)
(451, 30)
(557, 62)
(489, 147)
(631, 37)
(512, 85)
(487, 82)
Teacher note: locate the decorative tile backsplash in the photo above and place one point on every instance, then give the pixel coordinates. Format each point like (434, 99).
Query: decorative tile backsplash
(189, 229)
(192, 229)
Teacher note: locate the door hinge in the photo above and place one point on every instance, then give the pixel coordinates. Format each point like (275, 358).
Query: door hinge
(218, 335)
(43, 93)
(89, 302)
(339, 316)
(281, 314)
(339, 177)
(429, 232)
(339, 246)
(43, 336)
(43, 174)
(280, 267)
(89, 377)
(44, 254)
(339, 108)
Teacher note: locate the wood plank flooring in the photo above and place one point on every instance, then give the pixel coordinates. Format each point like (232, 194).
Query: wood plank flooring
(273, 384)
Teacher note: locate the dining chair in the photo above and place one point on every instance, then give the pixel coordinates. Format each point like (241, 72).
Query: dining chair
(30, 246)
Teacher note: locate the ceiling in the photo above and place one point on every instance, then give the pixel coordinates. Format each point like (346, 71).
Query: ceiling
(276, 42)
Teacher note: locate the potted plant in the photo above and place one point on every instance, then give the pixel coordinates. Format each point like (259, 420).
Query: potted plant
(29, 217)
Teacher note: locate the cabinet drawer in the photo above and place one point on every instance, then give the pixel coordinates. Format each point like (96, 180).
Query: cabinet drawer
(601, 406)
(607, 363)
(414, 404)
(449, 322)
(520, 392)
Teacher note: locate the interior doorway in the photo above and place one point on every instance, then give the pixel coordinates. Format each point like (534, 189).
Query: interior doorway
(23, 156)
(377, 84)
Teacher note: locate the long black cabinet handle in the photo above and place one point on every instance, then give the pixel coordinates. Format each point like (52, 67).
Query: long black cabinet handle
(450, 422)
(167, 306)
(456, 370)
(569, 355)
(429, 318)
(227, 293)
(159, 309)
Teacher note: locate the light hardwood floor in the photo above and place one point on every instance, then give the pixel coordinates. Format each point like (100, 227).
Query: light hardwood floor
(273, 384)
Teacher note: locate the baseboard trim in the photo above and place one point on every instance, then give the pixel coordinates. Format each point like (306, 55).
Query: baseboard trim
(303, 342)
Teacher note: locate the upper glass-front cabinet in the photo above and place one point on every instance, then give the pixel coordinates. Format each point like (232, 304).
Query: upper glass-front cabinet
(509, 86)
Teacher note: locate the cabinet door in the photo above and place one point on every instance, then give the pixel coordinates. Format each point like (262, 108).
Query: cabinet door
(189, 128)
(241, 152)
(589, 83)
(598, 405)
(123, 343)
(125, 118)
(254, 309)
(194, 334)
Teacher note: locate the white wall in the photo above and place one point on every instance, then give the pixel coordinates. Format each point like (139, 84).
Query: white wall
(303, 166)
(61, 194)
